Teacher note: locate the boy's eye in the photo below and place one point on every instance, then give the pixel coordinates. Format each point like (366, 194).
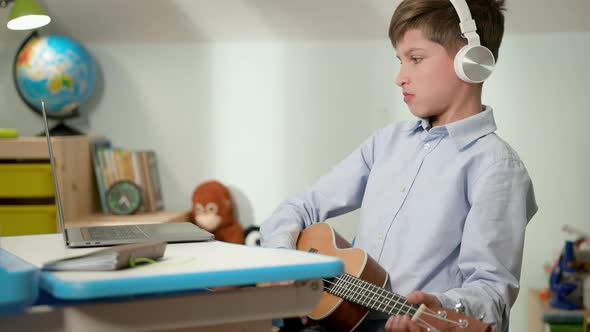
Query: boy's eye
(416, 59)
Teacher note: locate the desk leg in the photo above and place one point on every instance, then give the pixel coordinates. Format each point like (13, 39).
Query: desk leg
(213, 311)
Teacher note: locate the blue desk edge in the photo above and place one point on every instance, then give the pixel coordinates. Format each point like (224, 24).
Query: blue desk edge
(19, 283)
(69, 290)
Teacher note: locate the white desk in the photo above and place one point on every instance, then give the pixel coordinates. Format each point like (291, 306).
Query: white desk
(139, 299)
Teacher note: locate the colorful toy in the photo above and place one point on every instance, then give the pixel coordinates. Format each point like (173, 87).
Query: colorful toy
(567, 277)
(213, 211)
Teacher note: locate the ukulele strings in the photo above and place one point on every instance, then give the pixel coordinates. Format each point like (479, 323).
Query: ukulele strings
(381, 297)
(427, 311)
(419, 320)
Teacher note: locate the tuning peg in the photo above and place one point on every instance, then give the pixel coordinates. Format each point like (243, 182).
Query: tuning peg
(460, 308)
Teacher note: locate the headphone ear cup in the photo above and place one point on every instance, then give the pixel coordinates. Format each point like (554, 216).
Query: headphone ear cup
(474, 63)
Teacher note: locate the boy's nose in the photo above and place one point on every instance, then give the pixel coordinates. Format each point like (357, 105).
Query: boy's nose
(401, 79)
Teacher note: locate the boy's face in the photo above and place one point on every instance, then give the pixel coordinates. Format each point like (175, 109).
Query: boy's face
(427, 77)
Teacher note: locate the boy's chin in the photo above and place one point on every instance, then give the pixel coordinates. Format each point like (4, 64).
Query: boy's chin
(419, 113)
(423, 112)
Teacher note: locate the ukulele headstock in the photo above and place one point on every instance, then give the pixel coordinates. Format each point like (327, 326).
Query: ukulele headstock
(447, 320)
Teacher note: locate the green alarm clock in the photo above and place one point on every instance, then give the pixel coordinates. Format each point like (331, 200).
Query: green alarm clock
(124, 197)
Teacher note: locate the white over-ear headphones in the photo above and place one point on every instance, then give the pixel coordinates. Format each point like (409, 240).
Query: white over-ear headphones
(473, 63)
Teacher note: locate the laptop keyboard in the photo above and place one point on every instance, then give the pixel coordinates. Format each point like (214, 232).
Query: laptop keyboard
(115, 233)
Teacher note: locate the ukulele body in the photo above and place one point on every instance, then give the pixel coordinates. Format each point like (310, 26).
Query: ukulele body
(345, 301)
(335, 313)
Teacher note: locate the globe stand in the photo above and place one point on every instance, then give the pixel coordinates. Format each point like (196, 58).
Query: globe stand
(61, 129)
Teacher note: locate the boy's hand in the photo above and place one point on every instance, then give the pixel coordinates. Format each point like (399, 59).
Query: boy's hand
(403, 323)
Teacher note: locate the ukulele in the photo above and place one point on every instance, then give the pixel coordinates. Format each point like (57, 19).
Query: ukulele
(347, 299)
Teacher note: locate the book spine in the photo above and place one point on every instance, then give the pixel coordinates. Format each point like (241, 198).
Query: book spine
(156, 185)
(112, 167)
(98, 163)
(146, 179)
(139, 179)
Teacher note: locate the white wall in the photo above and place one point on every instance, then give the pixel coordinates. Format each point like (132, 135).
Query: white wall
(267, 118)
(264, 118)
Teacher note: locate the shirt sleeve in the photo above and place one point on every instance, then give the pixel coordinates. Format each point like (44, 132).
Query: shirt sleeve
(502, 203)
(338, 192)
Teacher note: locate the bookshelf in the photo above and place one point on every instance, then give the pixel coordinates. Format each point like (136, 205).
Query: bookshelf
(77, 185)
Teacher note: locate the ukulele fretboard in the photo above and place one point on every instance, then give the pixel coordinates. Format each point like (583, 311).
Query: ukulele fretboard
(368, 295)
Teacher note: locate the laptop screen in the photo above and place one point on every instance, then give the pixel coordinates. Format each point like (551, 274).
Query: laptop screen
(53, 172)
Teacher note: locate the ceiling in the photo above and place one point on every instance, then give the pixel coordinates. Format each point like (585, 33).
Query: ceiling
(133, 21)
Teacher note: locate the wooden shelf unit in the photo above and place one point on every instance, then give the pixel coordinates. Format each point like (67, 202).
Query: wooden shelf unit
(77, 182)
(74, 170)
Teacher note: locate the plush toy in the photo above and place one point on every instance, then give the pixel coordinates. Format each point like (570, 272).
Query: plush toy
(213, 211)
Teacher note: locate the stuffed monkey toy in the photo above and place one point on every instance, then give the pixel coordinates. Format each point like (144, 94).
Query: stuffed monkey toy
(213, 211)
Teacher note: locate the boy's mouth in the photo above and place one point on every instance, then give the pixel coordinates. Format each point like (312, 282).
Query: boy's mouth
(408, 97)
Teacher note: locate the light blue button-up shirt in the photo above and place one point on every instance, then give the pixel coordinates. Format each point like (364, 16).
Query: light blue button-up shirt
(443, 210)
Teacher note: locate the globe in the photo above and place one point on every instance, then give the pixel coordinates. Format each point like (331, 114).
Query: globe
(56, 69)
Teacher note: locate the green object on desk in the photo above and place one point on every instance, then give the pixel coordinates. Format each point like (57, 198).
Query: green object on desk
(560, 327)
(8, 132)
(139, 261)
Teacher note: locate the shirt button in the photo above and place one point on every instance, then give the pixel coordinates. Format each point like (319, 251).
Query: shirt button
(380, 237)
(403, 189)
(426, 146)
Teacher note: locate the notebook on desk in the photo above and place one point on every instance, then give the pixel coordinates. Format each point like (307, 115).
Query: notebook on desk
(98, 236)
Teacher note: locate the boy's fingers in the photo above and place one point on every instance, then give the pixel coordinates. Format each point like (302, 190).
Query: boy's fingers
(418, 297)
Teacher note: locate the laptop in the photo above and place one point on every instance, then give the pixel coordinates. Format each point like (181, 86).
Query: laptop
(98, 236)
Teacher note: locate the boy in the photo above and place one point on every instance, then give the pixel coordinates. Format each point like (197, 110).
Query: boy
(444, 201)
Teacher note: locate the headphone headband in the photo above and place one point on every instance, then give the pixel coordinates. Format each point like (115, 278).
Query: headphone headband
(466, 23)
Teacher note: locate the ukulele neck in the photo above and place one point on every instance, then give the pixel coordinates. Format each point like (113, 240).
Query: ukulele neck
(358, 291)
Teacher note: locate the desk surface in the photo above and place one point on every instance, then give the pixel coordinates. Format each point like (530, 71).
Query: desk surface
(185, 266)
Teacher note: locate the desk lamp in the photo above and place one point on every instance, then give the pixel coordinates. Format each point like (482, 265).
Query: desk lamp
(25, 15)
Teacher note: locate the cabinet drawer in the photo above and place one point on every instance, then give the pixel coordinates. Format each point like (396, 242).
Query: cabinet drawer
(27, 219)
(26, 180)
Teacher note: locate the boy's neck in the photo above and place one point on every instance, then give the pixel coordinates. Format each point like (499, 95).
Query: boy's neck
(465, 104)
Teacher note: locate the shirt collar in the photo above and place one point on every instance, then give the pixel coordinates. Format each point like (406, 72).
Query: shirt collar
(462, 132)
(412, 125)
(468, 130)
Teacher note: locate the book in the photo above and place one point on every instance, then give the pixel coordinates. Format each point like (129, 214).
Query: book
(111, 258)
(155, 177)
(563, 316)
(557, 327)
(97, 147)
(113, 164)
(148, 168)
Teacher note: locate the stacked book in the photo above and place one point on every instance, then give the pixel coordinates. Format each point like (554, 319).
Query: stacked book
(566, 320)
(113, 164)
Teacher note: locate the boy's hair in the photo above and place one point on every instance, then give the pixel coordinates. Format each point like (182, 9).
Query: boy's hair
(439, 22)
